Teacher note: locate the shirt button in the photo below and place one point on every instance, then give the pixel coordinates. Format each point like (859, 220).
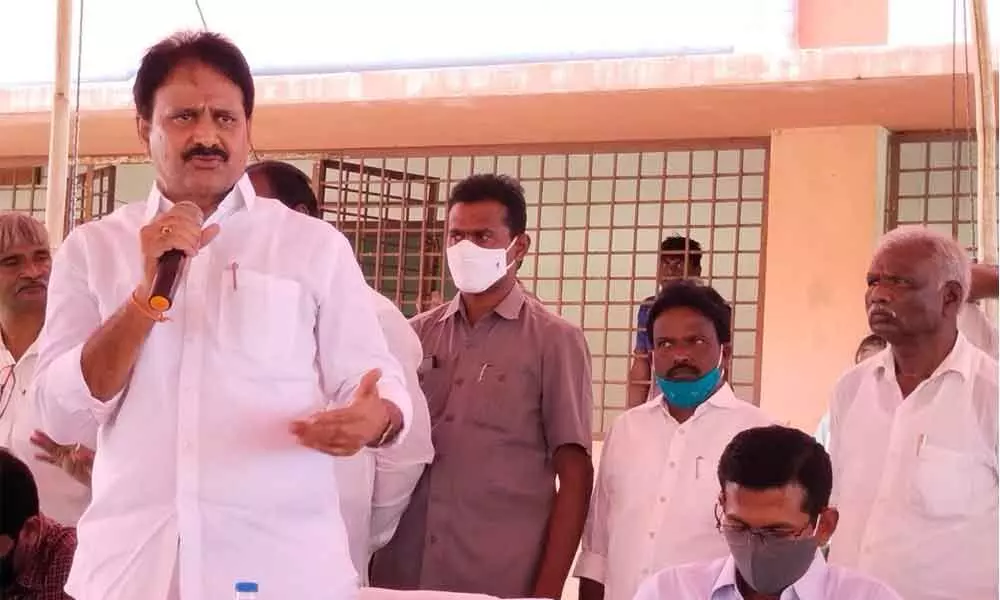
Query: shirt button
(459, 382)
(663, 499)
(652, 534)
(680, 432)
(672, 464)
(434, 539)
(449, 418)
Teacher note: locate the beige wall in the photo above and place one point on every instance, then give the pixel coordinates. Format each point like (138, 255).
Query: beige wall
(826, 190)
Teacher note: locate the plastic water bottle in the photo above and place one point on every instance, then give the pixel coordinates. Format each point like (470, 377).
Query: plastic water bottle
(246, 590)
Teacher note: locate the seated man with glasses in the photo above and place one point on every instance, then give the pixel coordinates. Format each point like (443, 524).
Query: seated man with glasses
(774, 513)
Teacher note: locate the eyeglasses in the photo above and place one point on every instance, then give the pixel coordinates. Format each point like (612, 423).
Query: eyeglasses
(745, 535)
(8, 383)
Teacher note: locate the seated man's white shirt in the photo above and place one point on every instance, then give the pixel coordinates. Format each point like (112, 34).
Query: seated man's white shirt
(60, 497)
(978, 329)
(196, 468)
(716, 580)
(653, 505)
(916, 479)
(375, 485)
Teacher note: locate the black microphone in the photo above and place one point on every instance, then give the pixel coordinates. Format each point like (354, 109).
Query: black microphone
(168, 268)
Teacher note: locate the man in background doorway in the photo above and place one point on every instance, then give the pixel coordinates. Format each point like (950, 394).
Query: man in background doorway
(680, 258)
(377, 482)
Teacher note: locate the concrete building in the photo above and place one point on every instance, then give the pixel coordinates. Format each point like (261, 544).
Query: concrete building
(785, 151)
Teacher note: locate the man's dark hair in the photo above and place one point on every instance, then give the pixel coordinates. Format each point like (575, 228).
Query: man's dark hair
(209, 48)
(678, 245)
(765, 458)
(698, 297)
(291, 186)
(500, 188)
(18, 494)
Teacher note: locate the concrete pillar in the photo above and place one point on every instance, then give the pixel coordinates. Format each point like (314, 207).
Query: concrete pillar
(826, 199)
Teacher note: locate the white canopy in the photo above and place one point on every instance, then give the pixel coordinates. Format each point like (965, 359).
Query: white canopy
(324, 36)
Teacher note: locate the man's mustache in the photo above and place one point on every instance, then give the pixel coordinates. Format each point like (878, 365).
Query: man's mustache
(683, 369)
(205, 151)
(34, 283)
(876, 309)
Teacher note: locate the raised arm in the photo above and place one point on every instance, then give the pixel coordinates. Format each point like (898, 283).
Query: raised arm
(985, 282)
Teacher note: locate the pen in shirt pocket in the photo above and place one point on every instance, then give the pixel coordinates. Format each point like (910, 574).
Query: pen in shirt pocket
(233, 266)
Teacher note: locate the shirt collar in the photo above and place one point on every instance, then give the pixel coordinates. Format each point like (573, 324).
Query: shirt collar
(7, 359)
(811, 586)
(723, 398)
(242, 195)
(509, 308)
(959, 360)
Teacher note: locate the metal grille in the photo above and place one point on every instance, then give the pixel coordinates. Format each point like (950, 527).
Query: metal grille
(932, 182)
(596, 220)
(23, 189)
(95, 188)
(388, 209)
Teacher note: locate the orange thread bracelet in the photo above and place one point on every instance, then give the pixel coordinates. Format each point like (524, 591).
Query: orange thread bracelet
(146, 311)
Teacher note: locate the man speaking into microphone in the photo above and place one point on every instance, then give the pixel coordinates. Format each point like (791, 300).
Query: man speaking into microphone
(217, 416)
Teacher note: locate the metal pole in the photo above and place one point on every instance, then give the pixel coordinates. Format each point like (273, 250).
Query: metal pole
(58, 169)
(986, 143)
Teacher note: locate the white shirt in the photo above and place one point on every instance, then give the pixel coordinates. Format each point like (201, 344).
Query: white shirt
(60, 497)
(654, 502)
(376, 484)
(716, 580)
(196, 469)
(974, 325)
(916, 479)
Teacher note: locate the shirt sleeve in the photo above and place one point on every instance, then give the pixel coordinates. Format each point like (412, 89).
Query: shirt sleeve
(567, 389)
(592, 562)
(398, 467)
(642, 343)
(349, 339)
(67, 410)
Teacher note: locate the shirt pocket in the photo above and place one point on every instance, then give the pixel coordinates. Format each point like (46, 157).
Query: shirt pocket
(949, 484)
(505, 400)
(261, 321)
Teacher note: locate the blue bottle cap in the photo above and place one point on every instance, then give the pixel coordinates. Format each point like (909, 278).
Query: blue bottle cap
(246, 586)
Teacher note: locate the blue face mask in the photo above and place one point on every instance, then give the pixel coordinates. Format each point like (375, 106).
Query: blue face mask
(690, 393)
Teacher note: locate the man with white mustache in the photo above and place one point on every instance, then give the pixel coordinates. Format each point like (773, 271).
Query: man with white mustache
(508, 384)
(913, 432)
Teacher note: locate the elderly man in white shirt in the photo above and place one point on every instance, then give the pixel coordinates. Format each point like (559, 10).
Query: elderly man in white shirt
(218, 416)
(25, 263)
(914, 432)
(377, 483)
(774, 513)
(652, 506)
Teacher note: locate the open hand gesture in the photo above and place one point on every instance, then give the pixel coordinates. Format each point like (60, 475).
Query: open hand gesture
(344, 431)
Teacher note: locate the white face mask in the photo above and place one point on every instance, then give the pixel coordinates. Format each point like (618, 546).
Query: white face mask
(474, 269)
